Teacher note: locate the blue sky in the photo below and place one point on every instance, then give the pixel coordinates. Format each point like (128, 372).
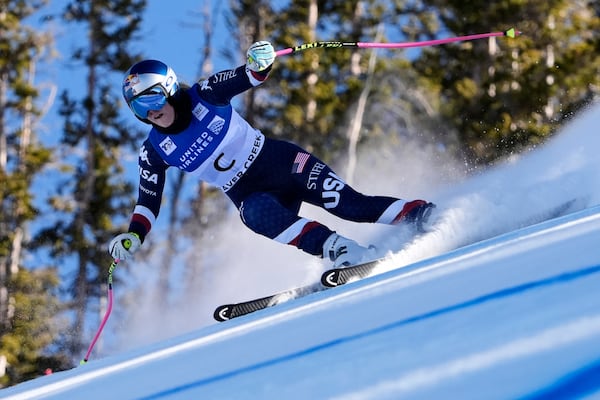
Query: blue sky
(174, 35)
(172, 32)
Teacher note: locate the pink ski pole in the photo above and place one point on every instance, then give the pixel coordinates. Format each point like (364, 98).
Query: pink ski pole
(112, 267)
(374, 45)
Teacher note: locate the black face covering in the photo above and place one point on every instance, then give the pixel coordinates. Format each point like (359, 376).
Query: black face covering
(182, 104)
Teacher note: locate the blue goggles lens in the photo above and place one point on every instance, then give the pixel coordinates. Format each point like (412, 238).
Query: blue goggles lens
(152, 99)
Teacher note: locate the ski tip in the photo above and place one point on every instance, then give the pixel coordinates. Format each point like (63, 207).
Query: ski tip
(512, 33)
(330, 278)
(223, 313)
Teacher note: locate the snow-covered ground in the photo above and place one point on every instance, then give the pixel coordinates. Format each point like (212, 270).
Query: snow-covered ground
(500, 301)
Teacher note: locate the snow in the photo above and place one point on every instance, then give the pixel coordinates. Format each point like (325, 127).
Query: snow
(500, 301)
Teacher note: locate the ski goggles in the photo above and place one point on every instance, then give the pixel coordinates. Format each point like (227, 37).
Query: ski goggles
(153, 98)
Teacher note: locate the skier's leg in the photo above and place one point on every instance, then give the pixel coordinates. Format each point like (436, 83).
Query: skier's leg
(340, 199)
(264, 214)
(414, 212)
(295, 175)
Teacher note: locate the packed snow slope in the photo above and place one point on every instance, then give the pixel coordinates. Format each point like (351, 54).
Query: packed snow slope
(499, 301)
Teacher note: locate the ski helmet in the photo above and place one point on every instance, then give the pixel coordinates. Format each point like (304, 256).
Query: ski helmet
(147, 86)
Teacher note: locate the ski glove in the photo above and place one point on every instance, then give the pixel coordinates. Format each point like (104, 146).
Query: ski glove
(260, 56)
(124, 245)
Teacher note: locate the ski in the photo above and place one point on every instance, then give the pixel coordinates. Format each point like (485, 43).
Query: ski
(226, 312)
(339, 276)
(330, 278)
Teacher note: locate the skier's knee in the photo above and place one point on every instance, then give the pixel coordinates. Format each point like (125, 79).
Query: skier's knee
(255, 209)
(264, 214)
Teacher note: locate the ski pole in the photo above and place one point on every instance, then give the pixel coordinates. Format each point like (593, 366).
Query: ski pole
(112, 267)
(375, 45)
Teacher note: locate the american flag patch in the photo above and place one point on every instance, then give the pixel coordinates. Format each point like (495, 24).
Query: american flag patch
(300, 162)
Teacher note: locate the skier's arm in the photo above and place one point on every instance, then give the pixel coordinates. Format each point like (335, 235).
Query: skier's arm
(152, 171)
(221, 87)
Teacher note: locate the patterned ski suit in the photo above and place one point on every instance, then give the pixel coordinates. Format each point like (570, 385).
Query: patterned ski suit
(266, 179)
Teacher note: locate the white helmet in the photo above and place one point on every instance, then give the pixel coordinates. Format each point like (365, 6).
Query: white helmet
(147, 86)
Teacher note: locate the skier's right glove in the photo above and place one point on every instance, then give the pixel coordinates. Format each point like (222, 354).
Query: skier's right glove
(124, 245)
(260, 56)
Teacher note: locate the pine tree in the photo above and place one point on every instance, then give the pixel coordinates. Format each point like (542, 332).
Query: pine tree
(28, 299)
(504, 95)
(94, 193)
(34, 326)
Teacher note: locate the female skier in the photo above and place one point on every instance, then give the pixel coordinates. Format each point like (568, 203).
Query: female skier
(197, 130)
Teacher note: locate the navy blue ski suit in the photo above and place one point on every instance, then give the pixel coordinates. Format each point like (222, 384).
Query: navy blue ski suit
(266, 179)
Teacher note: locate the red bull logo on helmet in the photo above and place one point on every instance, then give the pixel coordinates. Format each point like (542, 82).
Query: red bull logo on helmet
(129, 84)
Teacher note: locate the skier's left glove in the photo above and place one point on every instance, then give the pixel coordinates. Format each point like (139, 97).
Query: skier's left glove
(260, 56)
(124, 245)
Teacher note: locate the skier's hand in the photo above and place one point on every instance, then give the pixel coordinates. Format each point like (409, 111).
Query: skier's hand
(260, 56)
(124, 245)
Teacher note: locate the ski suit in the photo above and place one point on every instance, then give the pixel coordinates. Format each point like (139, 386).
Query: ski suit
(266, 179)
